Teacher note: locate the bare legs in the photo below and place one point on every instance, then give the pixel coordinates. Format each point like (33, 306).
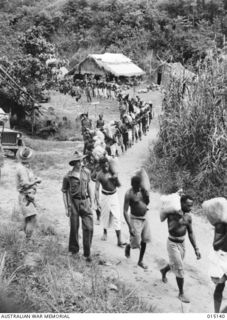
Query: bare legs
(164, 272)
(141, 255)
(118, 234)
(142, 251)
(218, 296)
(180, 283)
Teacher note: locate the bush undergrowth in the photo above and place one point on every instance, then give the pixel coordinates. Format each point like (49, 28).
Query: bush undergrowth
(54, 282)
(191, 149)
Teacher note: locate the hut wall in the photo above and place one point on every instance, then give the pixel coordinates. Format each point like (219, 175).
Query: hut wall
(89, 66)
(165, 75)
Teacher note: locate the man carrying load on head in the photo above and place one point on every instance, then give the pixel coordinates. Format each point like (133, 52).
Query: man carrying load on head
(179, 223)
(137, 199)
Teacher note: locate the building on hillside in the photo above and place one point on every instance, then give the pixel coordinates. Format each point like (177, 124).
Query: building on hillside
(109, 65)
(171, 75)
(168, 72)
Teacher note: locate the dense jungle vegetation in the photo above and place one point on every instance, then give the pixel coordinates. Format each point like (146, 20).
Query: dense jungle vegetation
(171, 29)
(191, 149)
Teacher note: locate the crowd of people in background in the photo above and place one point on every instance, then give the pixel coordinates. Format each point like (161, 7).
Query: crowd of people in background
(115, 137)
(92, 88)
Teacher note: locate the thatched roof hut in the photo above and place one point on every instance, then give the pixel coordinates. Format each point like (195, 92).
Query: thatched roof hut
(174, 72)
(114, 64)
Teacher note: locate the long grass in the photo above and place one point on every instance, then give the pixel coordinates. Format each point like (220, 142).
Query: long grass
(38, 276)
(192, 145)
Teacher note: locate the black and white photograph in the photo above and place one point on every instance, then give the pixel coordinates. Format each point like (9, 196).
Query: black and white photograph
(113, 158)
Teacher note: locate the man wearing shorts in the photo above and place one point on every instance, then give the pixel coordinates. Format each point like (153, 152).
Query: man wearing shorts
(137, 199)
(109, 204)
(179, 223)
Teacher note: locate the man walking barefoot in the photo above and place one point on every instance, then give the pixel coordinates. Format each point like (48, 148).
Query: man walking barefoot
(137, 199)
(110, 207)
(179, 223)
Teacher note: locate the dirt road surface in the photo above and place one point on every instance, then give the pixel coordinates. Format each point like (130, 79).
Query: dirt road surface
(146, 283)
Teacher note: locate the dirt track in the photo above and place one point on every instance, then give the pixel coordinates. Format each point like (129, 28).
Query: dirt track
(146, 283)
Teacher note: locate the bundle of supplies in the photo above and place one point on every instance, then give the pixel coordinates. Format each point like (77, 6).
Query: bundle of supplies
(169, 204)
(145, 181)
(215, 210)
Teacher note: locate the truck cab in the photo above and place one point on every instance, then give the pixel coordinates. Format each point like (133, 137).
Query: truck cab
(10, 139)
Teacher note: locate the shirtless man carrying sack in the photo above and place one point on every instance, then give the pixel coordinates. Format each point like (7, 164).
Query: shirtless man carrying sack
(109, 204)
(179, 223)
(137, 199)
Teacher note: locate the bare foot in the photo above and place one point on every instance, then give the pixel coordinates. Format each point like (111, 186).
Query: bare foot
(127, 251)
(104, 237)
(121, 244)
(164, 279)
(183, 298)
(142, 265)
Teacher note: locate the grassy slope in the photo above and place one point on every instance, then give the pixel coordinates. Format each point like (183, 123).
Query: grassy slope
(38, 276)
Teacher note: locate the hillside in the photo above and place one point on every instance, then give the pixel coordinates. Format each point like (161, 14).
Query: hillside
(185, 147)
(173, 30)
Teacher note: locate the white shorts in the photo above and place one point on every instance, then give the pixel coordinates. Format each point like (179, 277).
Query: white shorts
(110, 211)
